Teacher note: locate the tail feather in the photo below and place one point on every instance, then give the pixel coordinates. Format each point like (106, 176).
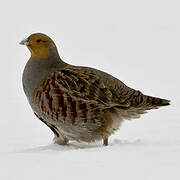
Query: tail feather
(137, 100)
(140, 104)
(157, 102)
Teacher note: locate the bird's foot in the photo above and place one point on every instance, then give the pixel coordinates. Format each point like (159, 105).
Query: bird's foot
(60, 140)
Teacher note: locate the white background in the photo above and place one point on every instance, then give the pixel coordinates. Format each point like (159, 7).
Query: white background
(137, 42)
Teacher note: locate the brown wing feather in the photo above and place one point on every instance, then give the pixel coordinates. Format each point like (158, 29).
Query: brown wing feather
(125, 96)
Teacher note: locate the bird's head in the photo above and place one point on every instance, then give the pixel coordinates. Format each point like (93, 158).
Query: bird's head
(39, 45)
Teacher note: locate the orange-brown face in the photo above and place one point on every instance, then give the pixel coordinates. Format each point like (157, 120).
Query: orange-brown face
(39, 45)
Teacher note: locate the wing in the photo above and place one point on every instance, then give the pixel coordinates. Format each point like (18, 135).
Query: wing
(124, 96)
(71, 94)
(79, 94)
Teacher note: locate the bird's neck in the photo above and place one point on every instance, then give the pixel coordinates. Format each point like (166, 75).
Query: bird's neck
(36, 70)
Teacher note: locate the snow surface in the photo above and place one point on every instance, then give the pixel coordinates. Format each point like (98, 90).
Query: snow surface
(137, 42)
(147, 148)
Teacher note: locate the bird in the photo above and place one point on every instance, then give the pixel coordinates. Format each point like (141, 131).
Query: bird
(78, 103)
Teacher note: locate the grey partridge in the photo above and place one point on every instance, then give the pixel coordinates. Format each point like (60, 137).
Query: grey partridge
(78, 103)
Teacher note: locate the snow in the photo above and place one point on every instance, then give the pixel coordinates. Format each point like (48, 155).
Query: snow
(137, 42)
(147, 148)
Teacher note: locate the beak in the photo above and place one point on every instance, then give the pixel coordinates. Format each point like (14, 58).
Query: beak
(24, 42)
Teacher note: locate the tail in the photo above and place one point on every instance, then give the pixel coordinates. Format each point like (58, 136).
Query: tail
(156, 102)
(139, 104)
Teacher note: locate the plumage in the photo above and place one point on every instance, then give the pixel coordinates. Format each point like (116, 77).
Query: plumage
(78, 103)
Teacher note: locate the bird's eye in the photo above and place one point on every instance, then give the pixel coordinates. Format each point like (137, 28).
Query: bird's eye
(38, 40)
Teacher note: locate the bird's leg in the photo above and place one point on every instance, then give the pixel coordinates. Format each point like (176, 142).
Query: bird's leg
(105, 141)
